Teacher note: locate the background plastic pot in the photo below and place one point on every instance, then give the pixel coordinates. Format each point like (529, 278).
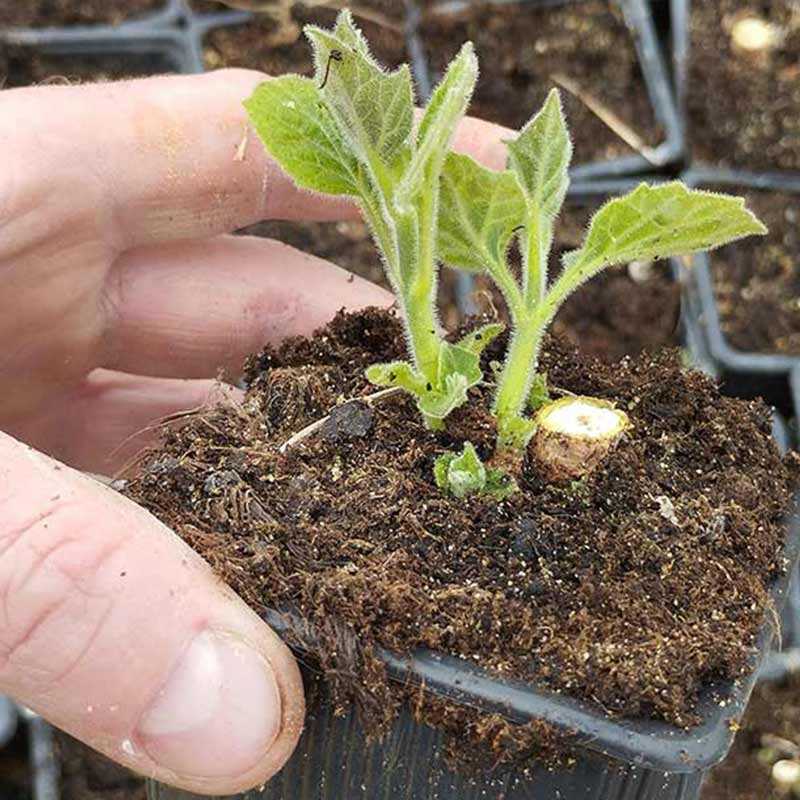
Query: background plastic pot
(743, 374)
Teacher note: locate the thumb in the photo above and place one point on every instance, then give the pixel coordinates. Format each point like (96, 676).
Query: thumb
(115, 631)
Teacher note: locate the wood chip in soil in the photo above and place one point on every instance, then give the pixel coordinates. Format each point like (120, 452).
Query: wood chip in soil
(586, 588)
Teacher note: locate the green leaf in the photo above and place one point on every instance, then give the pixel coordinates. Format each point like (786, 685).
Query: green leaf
(657, 222)
(435, 405)
(464, 474)
(538, 394)
(540, 157)
(299, 134)
(458, 369)
(460, 475)
(350, 35)
(499, 484)
(478, 340)
(397, 373)
(457, 360)
(447, 106)
(373, 109)
(478, 212)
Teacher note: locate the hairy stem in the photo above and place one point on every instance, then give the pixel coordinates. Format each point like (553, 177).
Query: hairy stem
(518, 370)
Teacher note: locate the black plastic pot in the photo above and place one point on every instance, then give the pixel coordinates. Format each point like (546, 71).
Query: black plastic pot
(615, 759)
(743, 374)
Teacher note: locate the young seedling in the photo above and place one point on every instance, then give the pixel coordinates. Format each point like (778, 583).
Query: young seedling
(351, 131)
(483, 212)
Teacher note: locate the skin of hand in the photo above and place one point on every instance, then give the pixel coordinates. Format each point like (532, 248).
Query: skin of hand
(122, 296)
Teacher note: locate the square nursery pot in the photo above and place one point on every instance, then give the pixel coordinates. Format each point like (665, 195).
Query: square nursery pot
(744, 371)
(31, 20)
(517, 50)
(615, 759)
(738, 103)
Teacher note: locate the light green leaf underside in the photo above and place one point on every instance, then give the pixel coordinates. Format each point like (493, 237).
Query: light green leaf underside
(375, 109)
(447, 106)
(661, 221)
(478, 212)
(350, 35)
(298, 133)
(540, 158)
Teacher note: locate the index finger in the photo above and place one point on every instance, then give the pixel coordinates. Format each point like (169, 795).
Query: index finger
(174, 157)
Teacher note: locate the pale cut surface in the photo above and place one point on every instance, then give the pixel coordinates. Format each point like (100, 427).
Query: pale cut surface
(584, 417)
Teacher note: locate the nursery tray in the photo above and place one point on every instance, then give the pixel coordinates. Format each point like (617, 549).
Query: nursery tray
(168, 14)
(745, 373)
(168, 46)
(615, 759)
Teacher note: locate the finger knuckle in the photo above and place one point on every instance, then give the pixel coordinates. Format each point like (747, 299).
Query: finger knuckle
(52, 601)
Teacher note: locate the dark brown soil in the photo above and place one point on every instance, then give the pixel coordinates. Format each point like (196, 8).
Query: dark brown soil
(276, 49)
(88, 775)
(363, 10)
(743, 107)
(770, 731)
(520, 48)
(51, 13)
(25, 66)
(757, 281)
(586, 588)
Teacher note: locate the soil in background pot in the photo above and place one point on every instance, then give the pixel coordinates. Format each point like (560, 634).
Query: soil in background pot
(520, 48)
(278, 48)
(57, 13)
(770, 732)
(632, 588)
(363, 10)
(757, 281)
(25, 66)
(743, 104)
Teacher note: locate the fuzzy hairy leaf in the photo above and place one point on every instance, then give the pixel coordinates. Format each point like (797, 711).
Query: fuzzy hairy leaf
(464, 474)
(287, 115)
(478, 212)
(657, 222)
(478, 340)
(350, 35)
(540, 157)
(374, 109)
(458, 369)
(447, 106)
(397, 373)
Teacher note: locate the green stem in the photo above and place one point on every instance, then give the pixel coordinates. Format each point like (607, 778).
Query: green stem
(518, 370)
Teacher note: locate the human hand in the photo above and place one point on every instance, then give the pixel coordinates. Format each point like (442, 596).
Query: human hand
(121, 299)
